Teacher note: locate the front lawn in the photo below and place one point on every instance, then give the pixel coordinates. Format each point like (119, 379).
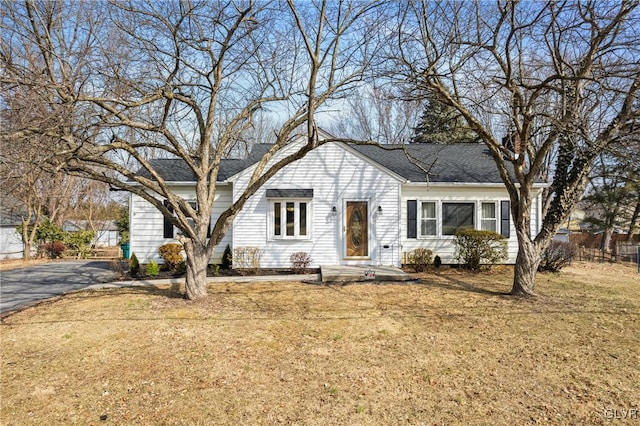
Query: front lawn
(450, 350)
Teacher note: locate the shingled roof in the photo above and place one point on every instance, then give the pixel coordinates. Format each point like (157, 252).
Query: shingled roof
(456, 163)
(176, 170)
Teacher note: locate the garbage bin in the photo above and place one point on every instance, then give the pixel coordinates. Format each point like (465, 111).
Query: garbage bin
(125, 250)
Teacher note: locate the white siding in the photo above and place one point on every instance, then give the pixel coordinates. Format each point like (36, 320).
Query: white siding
(336, 175)
(146, 225)
(10, 243)
(443, 245)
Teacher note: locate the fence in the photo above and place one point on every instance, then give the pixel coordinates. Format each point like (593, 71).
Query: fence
(589, 247)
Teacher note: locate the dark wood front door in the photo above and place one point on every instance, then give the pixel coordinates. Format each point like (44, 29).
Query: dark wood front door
(357, 229)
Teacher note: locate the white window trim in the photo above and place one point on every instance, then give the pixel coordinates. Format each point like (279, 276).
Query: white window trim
(437, 218)
(495, 219)
(475, 214)
(439, 202)
(283, 222)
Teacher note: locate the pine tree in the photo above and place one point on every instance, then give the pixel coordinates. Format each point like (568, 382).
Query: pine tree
(441, 124)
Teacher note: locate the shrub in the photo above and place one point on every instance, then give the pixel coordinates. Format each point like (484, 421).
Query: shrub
(437, 262)
(215, 269)
(226, 258)
(171, 254)
(48, 232)
(300, 261)
(152, 268)
(181, 268)
(247, 258)
(80, 242)
(54, 249)
(558, 255)
(134, 265)
(475, 248)
(420, 259)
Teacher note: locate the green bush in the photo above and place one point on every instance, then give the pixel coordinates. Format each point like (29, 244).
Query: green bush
(437, 262)
(215, 269)
(171, 254)
(152, 268)
(134, 265)
(475, 248)
(48, 232)
(79, 241)
(181, 268)
(420, 259)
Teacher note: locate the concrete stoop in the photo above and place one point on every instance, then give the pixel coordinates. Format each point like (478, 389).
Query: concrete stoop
(340, 273)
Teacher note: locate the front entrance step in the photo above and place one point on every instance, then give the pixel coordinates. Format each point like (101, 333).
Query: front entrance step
(340, 273)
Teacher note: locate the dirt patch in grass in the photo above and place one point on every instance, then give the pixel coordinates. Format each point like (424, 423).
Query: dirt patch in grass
(451, 349)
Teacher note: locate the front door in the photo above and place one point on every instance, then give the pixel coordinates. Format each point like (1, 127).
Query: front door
(357, 229)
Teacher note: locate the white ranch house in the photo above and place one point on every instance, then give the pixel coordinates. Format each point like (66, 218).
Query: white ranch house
(348, 204)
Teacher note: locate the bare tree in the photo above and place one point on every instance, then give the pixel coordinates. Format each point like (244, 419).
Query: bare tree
(184, 79)
(31, 190)
(378, 114)
(559, 78)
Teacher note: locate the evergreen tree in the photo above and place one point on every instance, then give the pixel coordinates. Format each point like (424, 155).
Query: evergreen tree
(442, 124)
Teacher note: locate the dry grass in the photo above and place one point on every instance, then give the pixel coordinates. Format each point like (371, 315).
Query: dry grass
(451, 350)
(9, 264)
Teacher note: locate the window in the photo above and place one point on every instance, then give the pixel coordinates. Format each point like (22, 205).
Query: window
(290, 219)
(192, 223)
(168, 228)
(456, 216)
(428, 220)
(488, 217)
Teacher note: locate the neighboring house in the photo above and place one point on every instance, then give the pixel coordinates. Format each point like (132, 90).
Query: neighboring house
(107, 234)
(563, 235)
(348, 204)
(10, 239)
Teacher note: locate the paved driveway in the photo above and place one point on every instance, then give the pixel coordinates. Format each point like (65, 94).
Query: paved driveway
(25, 286)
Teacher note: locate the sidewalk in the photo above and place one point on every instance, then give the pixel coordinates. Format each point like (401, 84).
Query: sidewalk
(212, 280)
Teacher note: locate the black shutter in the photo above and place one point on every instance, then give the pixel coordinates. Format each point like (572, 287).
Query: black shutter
(167, 225)
(209, 229)
(505, 215)
(412, 219)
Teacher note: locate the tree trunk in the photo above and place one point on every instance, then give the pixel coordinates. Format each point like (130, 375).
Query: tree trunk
(197, 261)
(606, 240)
(524, 274)
(634, 219)
(26, 251)
(26, 241)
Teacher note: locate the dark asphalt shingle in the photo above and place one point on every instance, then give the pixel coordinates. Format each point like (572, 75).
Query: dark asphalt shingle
(457, 163)
(176, 170)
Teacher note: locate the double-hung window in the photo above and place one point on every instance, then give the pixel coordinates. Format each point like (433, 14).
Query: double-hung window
(428, 219)
(488, 217)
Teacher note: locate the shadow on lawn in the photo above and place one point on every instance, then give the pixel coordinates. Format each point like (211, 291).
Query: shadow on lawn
(455, 284)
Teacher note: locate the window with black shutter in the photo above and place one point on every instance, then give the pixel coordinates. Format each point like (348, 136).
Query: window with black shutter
(505, 215)
(167, 225)
(412, 218)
